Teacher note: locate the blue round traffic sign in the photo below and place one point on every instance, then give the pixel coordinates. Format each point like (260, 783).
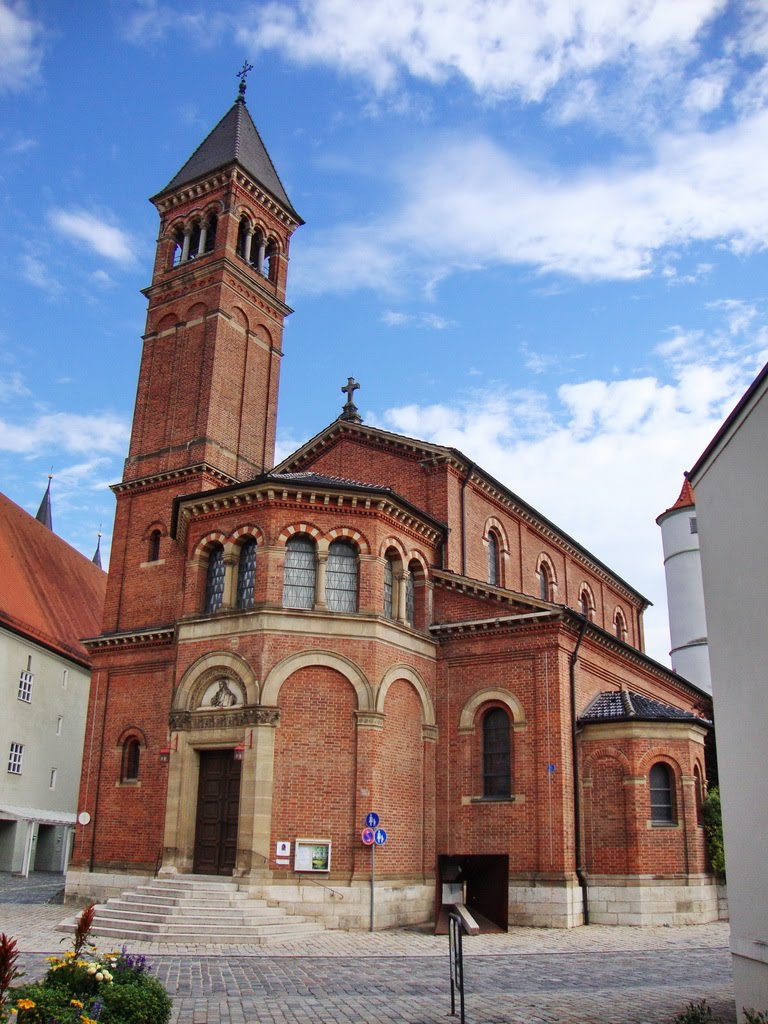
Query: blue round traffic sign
(368, 836)
(372, 819)
(379, 837)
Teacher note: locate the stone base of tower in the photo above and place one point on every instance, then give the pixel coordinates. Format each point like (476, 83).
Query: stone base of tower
(648, 901)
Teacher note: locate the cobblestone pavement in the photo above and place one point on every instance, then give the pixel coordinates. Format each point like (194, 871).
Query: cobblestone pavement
(595, 975)
(39, 887)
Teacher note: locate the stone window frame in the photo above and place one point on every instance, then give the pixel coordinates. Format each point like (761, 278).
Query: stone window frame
(471, 720)
(587, 605)
(131, 746)
(496, 551)
(620, 628)
(547, 575)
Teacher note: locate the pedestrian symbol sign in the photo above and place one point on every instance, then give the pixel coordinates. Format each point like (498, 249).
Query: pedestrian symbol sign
(372, 819)
(380, 837)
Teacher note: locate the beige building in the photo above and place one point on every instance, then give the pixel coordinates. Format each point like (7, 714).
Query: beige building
(731, 487)
(50, 597)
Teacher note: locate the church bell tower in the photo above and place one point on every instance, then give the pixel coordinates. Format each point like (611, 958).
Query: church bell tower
(206, 403)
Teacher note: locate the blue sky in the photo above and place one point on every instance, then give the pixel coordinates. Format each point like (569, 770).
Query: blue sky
(535, 231)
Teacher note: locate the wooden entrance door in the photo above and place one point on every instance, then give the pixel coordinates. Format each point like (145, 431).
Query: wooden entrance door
(218, 800)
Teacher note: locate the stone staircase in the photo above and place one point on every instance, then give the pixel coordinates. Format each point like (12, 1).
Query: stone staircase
(197, 909)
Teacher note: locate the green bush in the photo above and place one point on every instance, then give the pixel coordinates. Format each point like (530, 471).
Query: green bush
(143, 1001)
(713, 828)
(696, 1013)
(51, 1004)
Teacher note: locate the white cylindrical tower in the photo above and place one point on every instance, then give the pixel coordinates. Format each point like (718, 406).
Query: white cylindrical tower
(685, 591)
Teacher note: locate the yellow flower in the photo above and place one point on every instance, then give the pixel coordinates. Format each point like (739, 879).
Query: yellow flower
(25, 1004)
(88, 1020)
(76, 1002)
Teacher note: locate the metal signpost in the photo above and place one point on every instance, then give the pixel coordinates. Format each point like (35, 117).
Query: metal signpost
(373, 836)
(456, 956)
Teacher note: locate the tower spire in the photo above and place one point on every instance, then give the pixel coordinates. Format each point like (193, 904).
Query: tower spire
(97, 553)
(44, 512)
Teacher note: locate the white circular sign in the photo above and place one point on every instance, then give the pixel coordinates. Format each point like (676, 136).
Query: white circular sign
(84, 818)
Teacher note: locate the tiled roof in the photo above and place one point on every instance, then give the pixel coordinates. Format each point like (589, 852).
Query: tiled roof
(235, 139)
(686, 499)
(324, 479)
(48, 590)
(625, 705)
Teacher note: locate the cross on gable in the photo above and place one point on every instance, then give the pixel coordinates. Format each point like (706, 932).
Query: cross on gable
(349, 412)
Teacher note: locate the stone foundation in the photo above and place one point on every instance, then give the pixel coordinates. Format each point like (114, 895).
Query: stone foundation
(654, 901)
(347, 907)
(99, 886)
(545, 904)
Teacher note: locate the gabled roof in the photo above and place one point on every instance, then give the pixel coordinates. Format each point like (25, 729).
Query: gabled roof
(428, 451)
(49, 592)
(627, 706)
(235, 139)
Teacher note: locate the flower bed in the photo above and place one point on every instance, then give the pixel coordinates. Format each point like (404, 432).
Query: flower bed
(83, 987)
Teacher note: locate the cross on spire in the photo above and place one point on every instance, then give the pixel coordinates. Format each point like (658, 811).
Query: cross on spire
(242, 74)
(349, 412)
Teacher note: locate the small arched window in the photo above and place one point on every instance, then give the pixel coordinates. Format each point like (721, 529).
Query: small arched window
(620, 625)
(178, 247)
(661, 781)
(214, 579)
(210, 233)
(244, 239)
(494, 576)
(194, 240)
(341, 577)
(269, 266)
(586, 603)
(497, 755)
(129, 771)
(154, 546)
(545, 582)
(389, 589)
(246, 574)
(299, 572)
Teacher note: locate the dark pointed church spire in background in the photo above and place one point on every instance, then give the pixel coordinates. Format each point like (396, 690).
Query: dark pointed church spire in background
(44, 512)
(97, 553)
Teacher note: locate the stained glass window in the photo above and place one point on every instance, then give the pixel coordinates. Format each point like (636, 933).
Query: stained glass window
(214, 582)
(341, 577)
(410, 599)
(493, 559)
(299, 574)
(246, 574)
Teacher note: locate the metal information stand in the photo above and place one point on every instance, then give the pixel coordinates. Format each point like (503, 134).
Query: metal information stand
(456, 956)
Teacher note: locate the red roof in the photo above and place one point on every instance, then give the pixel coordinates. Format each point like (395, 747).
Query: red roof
(686, 499)
(49, 592)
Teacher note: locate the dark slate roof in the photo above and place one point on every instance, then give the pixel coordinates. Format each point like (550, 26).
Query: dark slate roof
(49, 592)
(325, 480)
(625, 705)
(235, 139)
(44, 512)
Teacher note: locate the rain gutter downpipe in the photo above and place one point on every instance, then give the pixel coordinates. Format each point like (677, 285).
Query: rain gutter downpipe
(580, 874)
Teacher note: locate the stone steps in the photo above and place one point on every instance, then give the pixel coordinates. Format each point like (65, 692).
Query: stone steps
(195, 909)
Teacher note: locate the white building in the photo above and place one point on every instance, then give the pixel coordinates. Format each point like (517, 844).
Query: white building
(731, 486)
(50, 597)
(685, 591)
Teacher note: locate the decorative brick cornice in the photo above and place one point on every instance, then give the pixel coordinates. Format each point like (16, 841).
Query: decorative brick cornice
(358, 499)
(498, 623)
(370, 719)
(191, 721)
(134, 638)
(171, 475)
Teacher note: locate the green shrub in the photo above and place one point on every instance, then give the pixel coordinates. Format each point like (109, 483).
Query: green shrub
(713, 828)
(51, 1004)
(143, 1001)
(696, 1013)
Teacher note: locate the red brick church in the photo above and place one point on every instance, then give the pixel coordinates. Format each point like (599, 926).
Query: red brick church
(374, 624)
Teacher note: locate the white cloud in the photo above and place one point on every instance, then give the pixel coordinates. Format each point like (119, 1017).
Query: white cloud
(605, 457)
(468, 203)
(149, 22)
(66, 432)
(496, 46)
(12, 385)
(37, 273)
(431, 321)
(20, 47)
(93, 231)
